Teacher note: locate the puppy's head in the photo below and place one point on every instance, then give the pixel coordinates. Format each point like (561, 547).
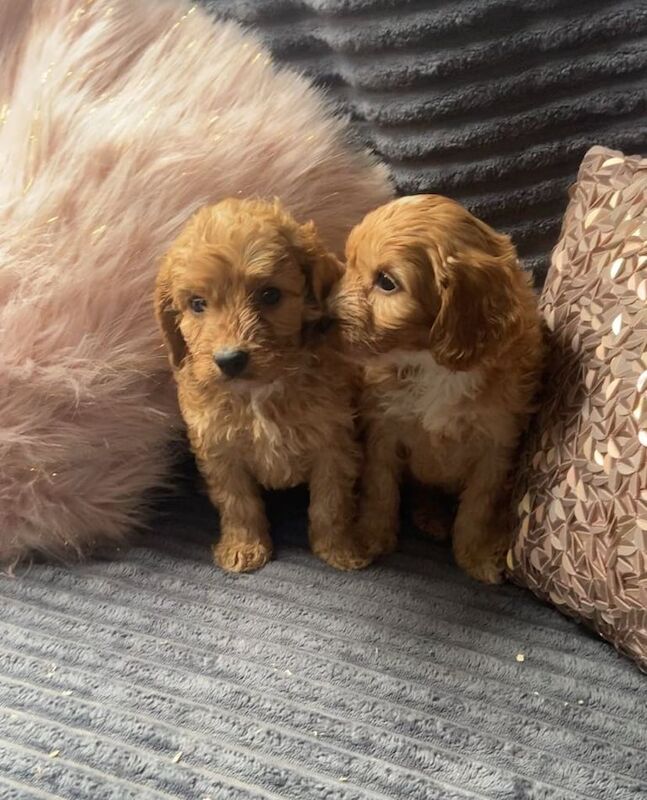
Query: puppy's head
(423, 274)
(238, 288)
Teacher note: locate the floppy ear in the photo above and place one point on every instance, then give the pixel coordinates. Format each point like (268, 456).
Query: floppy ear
(168, 316)
(321, 269)
(479, 306)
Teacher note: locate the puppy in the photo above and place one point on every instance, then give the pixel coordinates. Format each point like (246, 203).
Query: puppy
(435, 305)
(267, 401)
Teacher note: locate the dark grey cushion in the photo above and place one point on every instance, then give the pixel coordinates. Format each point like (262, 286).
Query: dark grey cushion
(492, 102)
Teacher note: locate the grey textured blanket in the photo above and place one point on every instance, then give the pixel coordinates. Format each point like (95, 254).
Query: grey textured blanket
(492, 102)
(157, 677)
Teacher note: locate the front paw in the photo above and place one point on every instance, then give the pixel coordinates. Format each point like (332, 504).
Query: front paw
(376, 539)
(342, 555)
(242, 556)
(483, 563)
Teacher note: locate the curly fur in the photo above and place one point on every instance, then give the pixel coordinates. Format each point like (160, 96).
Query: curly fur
(435, 305)
(286, 416)
(118, 119)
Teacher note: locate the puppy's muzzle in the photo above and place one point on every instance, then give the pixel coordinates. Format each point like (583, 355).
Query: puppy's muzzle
(231, 363)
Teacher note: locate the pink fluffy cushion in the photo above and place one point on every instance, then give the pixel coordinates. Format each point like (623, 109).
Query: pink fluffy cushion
(118, 119)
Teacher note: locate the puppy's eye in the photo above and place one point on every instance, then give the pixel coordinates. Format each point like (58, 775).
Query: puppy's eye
(269, 296)
(386, 283)
(197, 304)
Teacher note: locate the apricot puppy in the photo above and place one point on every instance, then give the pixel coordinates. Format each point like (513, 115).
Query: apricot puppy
(435, 306)
(266, 398)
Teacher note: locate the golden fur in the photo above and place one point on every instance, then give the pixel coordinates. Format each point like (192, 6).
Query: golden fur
(288, 418)
(436, 307)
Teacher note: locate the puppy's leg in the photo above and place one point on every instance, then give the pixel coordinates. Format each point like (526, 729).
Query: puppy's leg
(331, 511)
(244, 543)
(380, 501)
(481, 531)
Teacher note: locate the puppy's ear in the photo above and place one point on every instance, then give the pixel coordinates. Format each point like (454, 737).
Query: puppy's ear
(321, 269)
(168, 316)
(479, 305)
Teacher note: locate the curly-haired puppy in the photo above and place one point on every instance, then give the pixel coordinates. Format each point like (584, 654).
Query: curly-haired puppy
(435, 305)
(265, 396)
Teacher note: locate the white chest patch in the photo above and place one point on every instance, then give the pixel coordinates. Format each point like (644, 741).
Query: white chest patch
(261, 404)
(432, 394)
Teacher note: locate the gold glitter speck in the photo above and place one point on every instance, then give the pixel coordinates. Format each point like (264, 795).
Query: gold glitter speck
(47, 72)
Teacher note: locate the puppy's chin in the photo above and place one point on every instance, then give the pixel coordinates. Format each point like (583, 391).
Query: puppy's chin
(403, 359)
(358, 353)
(245, 384)
(353, 340)
(247, 389)
(360, 347)
(254, 390)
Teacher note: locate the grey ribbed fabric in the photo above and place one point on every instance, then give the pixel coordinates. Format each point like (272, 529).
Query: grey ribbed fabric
(492, 102)
(157, 676)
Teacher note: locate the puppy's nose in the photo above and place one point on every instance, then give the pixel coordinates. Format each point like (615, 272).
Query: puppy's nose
(231, 362)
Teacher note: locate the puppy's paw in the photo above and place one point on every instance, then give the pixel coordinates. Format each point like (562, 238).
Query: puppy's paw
(429, 522)
(342, 555)
(242, 556)
(375, 539)
(482, 566)
(378, 546)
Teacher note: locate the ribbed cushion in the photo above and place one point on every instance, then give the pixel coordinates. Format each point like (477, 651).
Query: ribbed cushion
(492, 102)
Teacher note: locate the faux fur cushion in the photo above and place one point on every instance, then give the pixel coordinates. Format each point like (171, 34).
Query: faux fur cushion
(582, 542)
(119, 118)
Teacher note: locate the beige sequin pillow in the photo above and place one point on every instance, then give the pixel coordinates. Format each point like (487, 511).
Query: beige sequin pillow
(582, 492)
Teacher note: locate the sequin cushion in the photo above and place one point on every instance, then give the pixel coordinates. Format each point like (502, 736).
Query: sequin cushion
(581, 497)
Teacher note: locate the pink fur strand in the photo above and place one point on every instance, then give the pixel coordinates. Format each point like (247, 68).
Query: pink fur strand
(118, 119)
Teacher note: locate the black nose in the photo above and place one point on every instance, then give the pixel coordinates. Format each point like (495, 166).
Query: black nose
(231, 362)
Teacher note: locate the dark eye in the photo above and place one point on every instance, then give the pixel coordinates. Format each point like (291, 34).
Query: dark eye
(198, 304)
(386, 283)
(269, 296)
